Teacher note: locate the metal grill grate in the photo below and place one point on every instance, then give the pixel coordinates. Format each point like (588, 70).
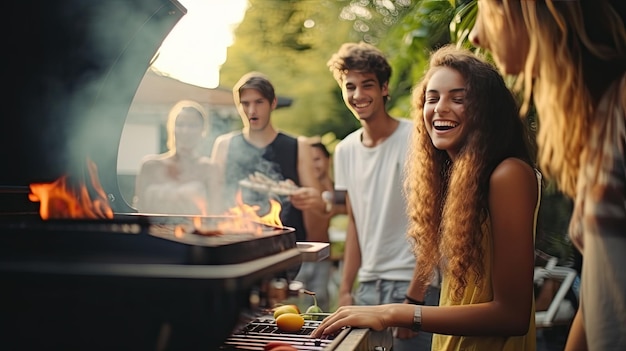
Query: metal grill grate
(257, 333)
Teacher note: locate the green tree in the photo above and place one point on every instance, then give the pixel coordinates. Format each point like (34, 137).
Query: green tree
(407, 31)
(291, 41)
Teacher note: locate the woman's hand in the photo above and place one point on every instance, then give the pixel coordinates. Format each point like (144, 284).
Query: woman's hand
(372, 317)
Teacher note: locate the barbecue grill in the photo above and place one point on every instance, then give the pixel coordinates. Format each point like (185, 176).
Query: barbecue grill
(91, 284)
(135, 281)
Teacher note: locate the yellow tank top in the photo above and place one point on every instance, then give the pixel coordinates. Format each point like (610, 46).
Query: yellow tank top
(483, 292)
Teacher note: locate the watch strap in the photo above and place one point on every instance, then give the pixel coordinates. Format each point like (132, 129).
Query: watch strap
(417, 319)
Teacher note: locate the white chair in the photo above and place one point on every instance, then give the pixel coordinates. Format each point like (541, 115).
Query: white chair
(541, 273)
(560, 310)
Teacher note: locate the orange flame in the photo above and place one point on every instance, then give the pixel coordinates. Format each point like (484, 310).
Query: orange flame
(240, 219)
(59, 201)
(273, 216)
(201, 204)
(244, 217)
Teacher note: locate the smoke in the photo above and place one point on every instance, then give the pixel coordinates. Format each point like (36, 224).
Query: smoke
(121, 39)
(73, 71)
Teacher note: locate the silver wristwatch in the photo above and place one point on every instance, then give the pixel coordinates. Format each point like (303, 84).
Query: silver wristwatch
(417, 319)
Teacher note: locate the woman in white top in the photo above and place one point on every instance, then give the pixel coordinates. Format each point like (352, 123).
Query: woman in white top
(178, 181)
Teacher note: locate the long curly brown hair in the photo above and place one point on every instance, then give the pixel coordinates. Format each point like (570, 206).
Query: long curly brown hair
(448, 201)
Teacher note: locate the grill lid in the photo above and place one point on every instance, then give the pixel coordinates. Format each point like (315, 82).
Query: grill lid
(73, 69)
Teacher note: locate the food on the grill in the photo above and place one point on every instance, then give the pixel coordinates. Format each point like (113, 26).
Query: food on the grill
(278, 346)
(286, 309)
(207, 231)
(290, 322)
(284, 348)
(181, 229)
(264, 184)
(311, 313)
(308, 314)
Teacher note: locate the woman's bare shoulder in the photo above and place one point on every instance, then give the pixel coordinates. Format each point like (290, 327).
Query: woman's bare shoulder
(512, 171)
(150, 162)
(513, 186)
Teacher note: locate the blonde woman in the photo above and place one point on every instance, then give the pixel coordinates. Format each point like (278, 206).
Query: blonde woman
(178, 181)
(570, 58)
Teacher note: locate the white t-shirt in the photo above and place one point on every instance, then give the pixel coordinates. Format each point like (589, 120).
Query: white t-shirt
(373, 178)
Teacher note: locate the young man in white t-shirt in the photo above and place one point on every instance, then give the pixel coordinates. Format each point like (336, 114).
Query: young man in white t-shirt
(369, 166)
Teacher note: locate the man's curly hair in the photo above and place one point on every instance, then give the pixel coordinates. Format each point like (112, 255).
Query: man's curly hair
(359, 57)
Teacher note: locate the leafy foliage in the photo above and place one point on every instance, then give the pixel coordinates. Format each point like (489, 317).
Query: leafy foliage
(291, 41)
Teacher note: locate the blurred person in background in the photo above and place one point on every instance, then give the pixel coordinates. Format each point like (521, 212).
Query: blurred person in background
(178, 181)
(369, 166)
(570, 58)
(260, 148)
(473, 203)
(321, 165)
(316, 275)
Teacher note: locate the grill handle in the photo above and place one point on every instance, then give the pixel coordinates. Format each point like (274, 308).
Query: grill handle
(311, 251)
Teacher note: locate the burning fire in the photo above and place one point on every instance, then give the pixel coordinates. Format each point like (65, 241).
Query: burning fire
(242, 218)
(58, 200)
(242, 210)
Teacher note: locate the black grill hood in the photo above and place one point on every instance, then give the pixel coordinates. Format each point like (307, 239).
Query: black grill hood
(71, 70)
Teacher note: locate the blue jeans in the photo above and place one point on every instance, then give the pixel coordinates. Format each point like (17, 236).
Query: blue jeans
(387, 291)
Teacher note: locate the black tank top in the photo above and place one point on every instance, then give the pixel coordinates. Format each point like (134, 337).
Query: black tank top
(279, 161)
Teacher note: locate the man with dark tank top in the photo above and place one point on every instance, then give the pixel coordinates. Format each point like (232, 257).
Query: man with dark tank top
(260, 149)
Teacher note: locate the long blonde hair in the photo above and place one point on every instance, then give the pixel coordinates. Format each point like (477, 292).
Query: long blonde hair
(577, 55)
